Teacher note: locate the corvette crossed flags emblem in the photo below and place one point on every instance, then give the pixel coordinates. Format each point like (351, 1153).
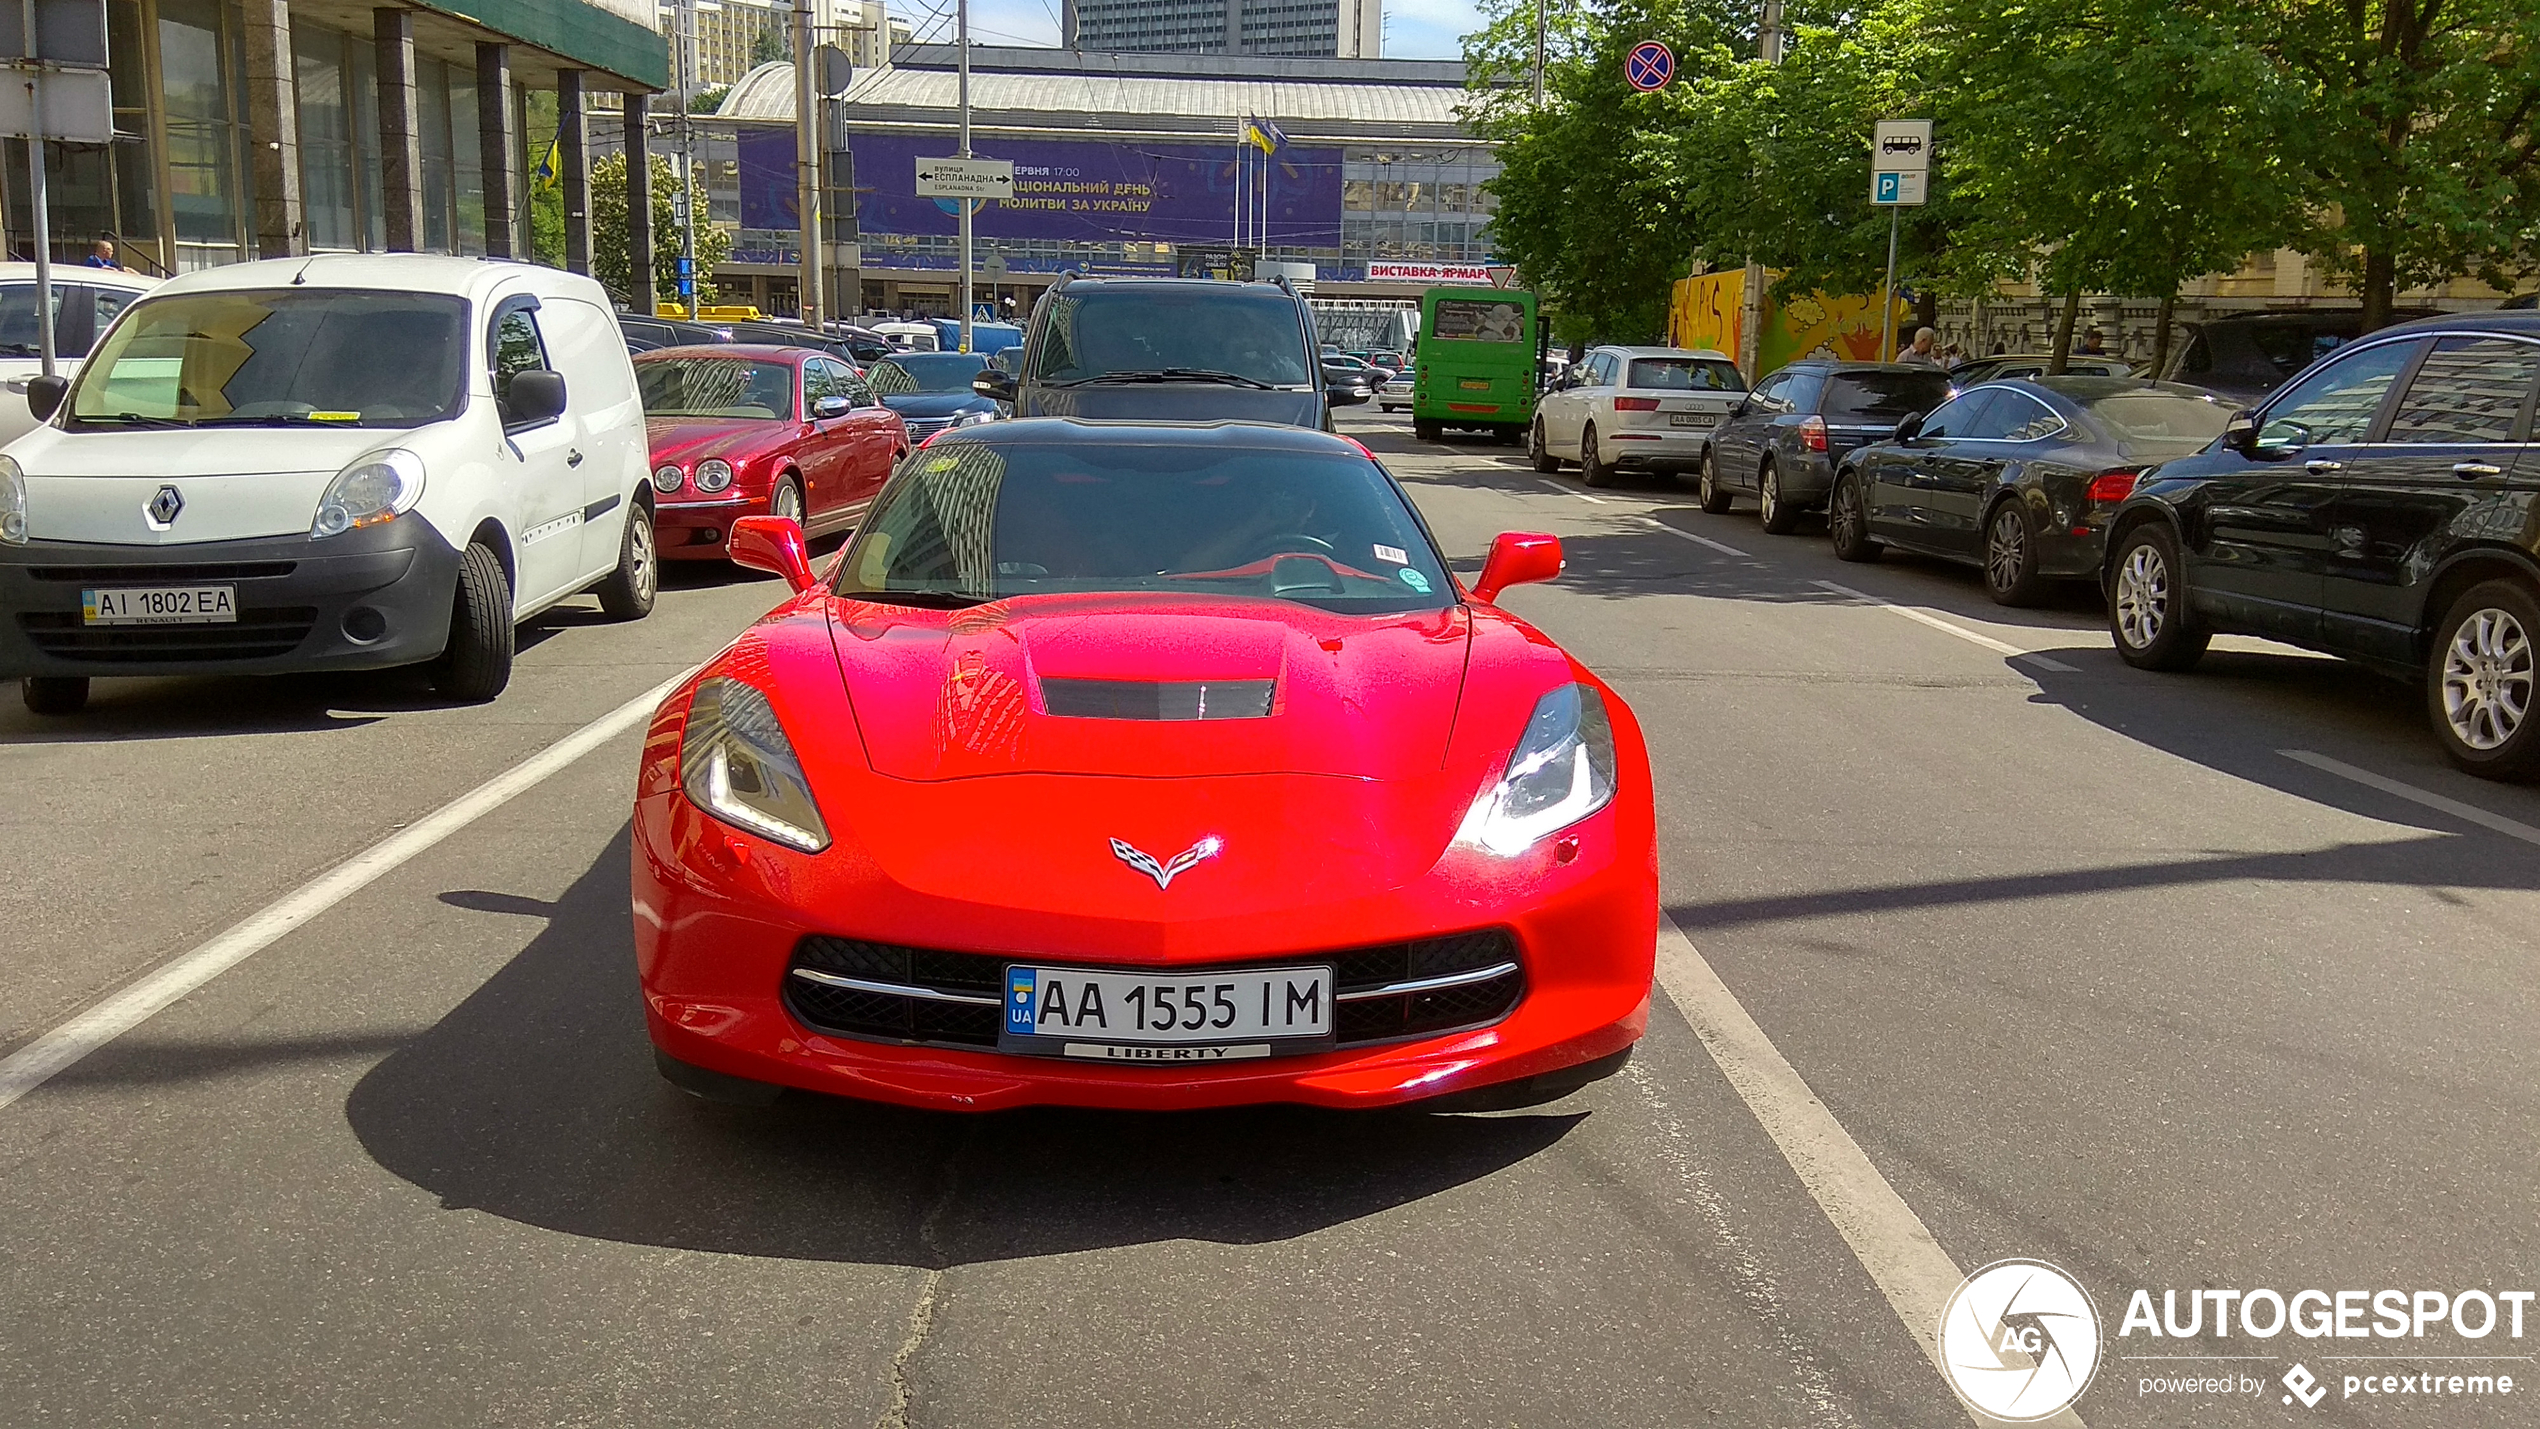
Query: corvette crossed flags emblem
(1164, 873)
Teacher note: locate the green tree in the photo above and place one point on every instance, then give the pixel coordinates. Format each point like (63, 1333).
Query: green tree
(707, 101)
(2126, 146)
(772, 43)
(2417, 135)
(608, 231)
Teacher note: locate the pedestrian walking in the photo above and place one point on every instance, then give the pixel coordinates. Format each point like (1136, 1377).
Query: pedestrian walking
(1921, 353)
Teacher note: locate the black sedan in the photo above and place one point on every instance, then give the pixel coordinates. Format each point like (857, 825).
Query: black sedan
(932, 390)
(2018, 477)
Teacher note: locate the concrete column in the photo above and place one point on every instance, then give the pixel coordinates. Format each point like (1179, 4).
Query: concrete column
(573, 155)
(400, 136)
(1234, 27)
(498, 149)
(639, 206)
(273, 130)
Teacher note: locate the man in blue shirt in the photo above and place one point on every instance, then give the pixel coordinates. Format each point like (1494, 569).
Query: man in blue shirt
(101, 254)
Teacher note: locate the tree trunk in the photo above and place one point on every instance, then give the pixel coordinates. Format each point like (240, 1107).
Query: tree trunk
(1927, 308)
(2161, 334)
(2381, 275)
(2064, 333)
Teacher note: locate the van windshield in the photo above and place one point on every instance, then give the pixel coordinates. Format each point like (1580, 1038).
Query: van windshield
(315, 357)
(1239, 334)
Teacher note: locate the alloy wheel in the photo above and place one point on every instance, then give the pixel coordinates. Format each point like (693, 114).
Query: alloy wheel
(1768, 496)
(789, 503)
(2143, 596)
(647, 570)
(1846, 516)
(2487, 679)
(2006, 552)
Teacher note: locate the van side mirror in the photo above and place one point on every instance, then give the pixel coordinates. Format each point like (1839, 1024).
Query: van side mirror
(44, 396)
(2240, 434)
(534, 396)
(1517, 558)
(994, 383)
(1910, 428)
(772, 543)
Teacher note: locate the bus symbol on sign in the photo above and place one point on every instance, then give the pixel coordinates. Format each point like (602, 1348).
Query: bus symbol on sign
(1649, 66)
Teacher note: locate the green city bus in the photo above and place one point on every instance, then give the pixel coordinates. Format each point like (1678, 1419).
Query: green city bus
(1476, 362)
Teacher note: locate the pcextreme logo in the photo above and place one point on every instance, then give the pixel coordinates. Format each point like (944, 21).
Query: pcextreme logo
(2020, 1340)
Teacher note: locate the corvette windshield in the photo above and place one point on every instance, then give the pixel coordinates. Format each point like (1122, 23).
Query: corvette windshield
(972, 521)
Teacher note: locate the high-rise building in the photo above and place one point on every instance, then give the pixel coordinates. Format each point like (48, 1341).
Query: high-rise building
(739, 35)
(1338, 29)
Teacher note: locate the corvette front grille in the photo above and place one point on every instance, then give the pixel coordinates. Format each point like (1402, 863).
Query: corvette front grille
(890, 992)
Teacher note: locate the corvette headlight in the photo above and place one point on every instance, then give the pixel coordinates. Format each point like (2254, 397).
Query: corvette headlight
(713, 474)
(1562, 771)
(972, 419)
(667, 479)
(12, 503)
(379, 487)
(737, 765)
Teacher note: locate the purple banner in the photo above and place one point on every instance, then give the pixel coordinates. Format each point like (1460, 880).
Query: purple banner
(770, 190)
(1071, 190)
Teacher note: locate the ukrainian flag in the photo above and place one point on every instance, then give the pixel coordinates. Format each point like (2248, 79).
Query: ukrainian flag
(1263, 135)
(550, 170)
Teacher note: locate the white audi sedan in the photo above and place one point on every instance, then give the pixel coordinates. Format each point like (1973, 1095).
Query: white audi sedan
(1649, 408)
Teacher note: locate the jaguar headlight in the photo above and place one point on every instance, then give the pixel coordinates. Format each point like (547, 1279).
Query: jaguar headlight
(713, 474)
(379, 487)
(12, 503)
(1561, 771)
(668, 478)
(737, 765)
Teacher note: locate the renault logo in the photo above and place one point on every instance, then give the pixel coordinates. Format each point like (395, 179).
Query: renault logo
(164, 508)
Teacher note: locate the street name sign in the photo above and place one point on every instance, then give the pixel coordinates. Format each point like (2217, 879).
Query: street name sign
(965, 178)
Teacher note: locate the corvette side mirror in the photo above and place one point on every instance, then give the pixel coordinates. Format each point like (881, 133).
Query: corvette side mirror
(1517, 558)
(773, 543)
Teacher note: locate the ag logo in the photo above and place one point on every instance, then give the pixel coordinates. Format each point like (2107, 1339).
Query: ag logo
(2020, 1340)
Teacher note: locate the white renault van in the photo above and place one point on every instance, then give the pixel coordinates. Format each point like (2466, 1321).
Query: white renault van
(85, 302)
(331, 463)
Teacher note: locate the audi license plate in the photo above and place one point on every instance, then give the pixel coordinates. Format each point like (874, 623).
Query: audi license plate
(1693, 419)
(160, 605)
(1161, 1016)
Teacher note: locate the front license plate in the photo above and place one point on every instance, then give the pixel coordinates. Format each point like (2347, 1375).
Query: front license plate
(1693, 419)
(160, 605)
(1161, 1016)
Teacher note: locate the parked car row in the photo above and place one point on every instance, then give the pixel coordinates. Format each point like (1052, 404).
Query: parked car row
(2376, 506)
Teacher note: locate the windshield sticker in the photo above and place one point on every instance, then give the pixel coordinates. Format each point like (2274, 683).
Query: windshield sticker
(1414, 579)
(1394, 554)
(335, 416)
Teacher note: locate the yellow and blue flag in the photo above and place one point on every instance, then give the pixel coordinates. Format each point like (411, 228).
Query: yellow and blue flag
(1263, 135)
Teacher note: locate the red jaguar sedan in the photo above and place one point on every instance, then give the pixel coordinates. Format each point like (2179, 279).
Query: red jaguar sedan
(1144, 767)
(748, 430)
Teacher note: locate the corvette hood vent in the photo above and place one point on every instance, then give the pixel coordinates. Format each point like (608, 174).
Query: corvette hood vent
(1159, 700)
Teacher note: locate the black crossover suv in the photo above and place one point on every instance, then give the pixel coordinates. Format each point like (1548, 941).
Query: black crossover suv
(2384, 505)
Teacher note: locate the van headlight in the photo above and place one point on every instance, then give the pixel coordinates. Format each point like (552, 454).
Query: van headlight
(1561, 771)
(379, 487)
(736, 764)
(12, 503)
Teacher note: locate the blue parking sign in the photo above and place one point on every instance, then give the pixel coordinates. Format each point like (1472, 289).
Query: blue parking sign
(1889, 186)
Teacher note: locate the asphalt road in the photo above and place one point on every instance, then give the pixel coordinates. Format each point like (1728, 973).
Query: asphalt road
(2218, 980)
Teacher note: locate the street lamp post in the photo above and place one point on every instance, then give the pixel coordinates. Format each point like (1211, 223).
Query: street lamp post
(962, 42)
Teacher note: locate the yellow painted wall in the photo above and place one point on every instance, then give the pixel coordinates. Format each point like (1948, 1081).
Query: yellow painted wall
(1705, 311)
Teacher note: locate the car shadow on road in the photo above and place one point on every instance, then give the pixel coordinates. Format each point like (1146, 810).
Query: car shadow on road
(1626, 564)
(536, 1100)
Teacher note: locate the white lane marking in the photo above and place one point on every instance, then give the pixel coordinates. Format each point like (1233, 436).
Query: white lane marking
(2043, 662)
(39, 1061)
(1723, 547)
(1571, 491)
(1891, 1242)
(2511, 828)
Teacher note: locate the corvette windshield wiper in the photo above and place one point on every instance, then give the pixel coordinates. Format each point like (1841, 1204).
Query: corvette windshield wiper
(1174, 374)
(926, 599)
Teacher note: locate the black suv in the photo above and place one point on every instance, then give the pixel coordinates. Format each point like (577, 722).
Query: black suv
(1785, 440)
(2378, 507)
(1169, 350)
(2248, 355)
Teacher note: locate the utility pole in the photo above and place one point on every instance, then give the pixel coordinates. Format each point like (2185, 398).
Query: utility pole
(807, 169)
(36, 200)
(683, 197)
(1539, 9)
(962, 40)
(1750, 327)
